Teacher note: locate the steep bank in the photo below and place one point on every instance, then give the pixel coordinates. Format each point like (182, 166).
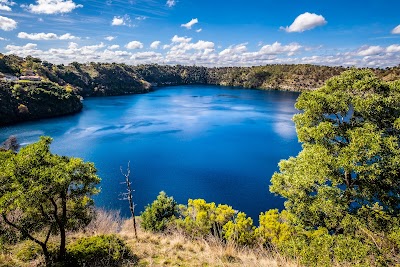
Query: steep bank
(35, 100)
(107, 79)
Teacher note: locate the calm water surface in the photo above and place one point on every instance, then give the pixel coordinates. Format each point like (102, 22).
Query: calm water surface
(217, 143)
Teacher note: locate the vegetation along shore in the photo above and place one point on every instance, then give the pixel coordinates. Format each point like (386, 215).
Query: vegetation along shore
(31, 88)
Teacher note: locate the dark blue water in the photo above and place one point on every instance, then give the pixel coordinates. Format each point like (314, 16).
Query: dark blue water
(217, 143)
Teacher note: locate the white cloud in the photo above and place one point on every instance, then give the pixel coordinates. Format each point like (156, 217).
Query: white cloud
(370, 50)
(7, 24)
(27, 47)
(277, 48)
(134, 45)
(304, 22)
(155, 44)
(234, 49)
(190, 23)
(393, 48)
(113, 47)
(122, 21)
(396, 30)
(199, 30)
(117, 21)
(171, 3)
(146, 57)
(177, 39)
(45, 36)
(53, 6)
(203, 52)
(109, 38)
(5, 5)
(5, 8)
(141, 18)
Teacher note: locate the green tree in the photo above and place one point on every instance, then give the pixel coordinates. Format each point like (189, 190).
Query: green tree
(241, 230)
(349, 167)
(43, 194)
(200, 218)
(157, 215)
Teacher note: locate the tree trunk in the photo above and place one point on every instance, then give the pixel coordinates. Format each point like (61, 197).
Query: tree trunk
(62, 228)
(46, 254)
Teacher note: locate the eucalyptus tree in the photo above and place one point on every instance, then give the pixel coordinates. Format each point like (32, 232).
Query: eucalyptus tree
(349, 168)
(43, 194)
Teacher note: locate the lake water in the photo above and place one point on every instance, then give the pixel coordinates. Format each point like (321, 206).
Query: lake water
(218, 143)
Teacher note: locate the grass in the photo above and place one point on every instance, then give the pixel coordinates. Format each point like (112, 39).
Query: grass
(163, 249)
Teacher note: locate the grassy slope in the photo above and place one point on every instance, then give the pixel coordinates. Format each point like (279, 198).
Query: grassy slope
(157, 249)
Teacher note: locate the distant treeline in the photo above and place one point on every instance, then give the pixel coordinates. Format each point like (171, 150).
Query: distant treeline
(105, 79)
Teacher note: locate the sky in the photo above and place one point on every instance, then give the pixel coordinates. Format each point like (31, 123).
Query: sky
(362, 33)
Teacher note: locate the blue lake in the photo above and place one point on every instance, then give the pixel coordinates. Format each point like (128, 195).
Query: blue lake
(218, 143)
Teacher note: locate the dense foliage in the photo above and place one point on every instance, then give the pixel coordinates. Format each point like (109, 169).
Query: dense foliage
(100, 250)
(43, 194)
(345, 181)
(20, 101)
(33, 100)
(157, 215)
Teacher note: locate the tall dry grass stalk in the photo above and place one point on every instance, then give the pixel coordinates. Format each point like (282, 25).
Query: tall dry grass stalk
(105, 222)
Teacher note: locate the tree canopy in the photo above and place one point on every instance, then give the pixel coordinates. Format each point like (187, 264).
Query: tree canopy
(350, 163)
(40, 191)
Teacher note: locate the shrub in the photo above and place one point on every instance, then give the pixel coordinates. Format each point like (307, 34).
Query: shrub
(157, 215)
(272, 229)
(241, 230)
(28, 250)
(200, 218)
(100, 250)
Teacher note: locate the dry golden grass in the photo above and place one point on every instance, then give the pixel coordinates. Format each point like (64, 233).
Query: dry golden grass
(176, 249)
(166, 249)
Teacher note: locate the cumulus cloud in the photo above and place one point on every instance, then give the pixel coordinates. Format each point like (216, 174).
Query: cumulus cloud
(113, 47)
(5, 5)
(396, 30)
(234, 49)
(190, 23)
(7, 24)
(277, 48)
(146, 57)
(53, 6)
(171, 3)
(134, 45)
(304, 22)
(109, 38)
(46, 36)
(155, 44)
(370, 50)
(5, 8)
(27, 47)
(122, 21)
(199, 30)
(185, 51)
(177, 39)
(393, 48)
(117, 21)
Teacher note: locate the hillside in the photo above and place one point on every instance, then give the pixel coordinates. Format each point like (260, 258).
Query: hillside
(107, 79)
(22, 101)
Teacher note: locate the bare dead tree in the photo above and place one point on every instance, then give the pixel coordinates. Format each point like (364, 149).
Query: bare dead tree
(129, 193)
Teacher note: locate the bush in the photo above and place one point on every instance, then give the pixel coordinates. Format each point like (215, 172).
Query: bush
(200, 218)
(28, 251)
(273, 230)
(241, 230)
(157, 215)
(101, 250)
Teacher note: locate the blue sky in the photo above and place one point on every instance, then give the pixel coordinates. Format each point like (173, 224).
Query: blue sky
(209, 33)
